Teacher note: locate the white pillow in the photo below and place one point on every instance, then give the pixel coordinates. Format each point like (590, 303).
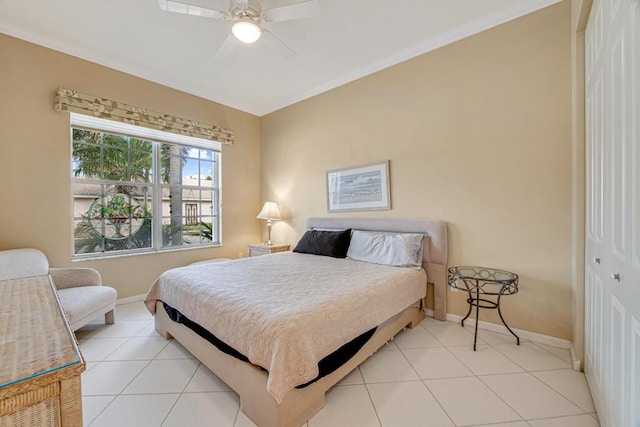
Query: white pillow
(397, 249)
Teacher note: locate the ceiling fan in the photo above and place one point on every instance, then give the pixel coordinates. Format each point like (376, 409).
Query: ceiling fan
(248, 17)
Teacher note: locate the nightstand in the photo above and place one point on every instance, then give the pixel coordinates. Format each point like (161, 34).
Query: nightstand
(257, 249)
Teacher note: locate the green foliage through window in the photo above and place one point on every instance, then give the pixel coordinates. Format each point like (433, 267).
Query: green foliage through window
(120, 203)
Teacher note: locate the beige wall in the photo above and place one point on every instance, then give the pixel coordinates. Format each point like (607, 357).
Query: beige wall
(479, 133)
(35, 195)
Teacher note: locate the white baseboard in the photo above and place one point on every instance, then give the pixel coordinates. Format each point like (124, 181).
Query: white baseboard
(127, 300)
(524, 335)
(575, 362)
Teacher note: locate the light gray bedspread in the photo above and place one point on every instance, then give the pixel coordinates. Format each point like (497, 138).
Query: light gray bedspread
(287, 311)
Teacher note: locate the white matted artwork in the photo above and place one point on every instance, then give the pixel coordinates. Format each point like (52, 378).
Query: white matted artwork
(360, 188)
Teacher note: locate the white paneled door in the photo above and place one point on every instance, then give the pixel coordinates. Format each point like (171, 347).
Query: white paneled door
(612, 288)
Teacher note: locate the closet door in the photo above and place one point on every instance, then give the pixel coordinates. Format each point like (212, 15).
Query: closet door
(612, 288)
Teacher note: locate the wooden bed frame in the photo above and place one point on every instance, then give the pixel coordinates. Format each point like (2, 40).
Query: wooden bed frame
(298, 405)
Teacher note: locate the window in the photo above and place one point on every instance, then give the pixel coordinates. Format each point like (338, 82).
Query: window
(140, 190)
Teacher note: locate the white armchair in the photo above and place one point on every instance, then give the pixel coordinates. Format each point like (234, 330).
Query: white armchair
(80, 290)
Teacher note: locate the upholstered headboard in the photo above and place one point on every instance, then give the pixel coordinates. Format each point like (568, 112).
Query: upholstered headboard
(435, 246)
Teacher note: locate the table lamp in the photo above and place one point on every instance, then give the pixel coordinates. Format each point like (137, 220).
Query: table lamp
(269, 212)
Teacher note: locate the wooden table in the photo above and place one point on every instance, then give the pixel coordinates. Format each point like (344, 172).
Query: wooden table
(40, 364)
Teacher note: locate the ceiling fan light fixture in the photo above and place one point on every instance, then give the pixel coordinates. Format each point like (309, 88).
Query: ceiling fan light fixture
(246, 31)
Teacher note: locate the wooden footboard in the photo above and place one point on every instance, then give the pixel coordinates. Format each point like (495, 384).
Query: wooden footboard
(250, 382)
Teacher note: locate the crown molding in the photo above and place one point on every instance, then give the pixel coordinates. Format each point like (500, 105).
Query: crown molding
(514, 11)
(91, 56)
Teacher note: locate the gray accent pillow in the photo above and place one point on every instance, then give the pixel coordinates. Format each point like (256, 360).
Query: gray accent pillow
(396, 249)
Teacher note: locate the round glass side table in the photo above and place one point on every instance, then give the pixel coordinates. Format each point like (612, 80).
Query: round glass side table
(482, 283)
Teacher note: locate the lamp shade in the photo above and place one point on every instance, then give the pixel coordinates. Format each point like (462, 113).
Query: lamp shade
(269, 211)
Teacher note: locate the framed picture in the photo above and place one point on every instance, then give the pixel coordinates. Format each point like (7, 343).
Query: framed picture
(360, 188)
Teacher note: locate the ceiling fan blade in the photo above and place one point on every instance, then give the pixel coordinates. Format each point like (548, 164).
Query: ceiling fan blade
(227, 46)
(190, 9)
(278, 45)
(305, 9)
(242, 4)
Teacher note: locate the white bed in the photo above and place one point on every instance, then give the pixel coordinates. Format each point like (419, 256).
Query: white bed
(287, 311)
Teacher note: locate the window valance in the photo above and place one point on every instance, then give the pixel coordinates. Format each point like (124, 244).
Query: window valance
(73, 101)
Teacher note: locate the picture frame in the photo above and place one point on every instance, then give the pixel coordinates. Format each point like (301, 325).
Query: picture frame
(359, 188)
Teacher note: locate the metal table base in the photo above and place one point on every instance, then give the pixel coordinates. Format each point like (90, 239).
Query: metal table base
(479, 282)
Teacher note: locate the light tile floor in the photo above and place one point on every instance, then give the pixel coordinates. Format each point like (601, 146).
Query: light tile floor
(428, 376)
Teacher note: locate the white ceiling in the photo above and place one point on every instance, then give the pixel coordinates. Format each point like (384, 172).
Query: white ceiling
(350, 39)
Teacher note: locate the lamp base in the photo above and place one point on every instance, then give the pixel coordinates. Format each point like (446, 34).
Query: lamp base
(268, 242)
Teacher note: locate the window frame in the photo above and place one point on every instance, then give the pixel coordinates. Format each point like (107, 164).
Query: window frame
(157, 138)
